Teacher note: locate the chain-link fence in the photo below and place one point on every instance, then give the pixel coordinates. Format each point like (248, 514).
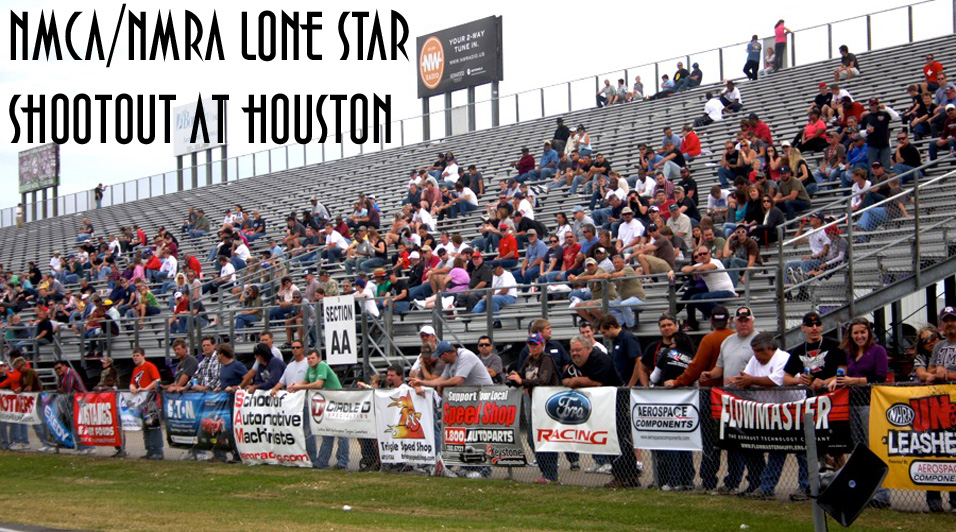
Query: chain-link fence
(737, 472)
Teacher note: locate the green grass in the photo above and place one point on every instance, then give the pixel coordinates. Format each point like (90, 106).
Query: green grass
(131, 495)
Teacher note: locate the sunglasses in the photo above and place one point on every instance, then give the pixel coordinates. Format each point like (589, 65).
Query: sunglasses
(297, 347)
(554, 241)
(702, 254)
(814, 324)
(484, 345)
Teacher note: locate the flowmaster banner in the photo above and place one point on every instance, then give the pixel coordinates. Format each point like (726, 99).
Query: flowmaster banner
(481, 426)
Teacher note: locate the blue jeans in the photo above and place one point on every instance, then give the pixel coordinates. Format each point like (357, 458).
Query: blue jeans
(244, 320)
(600, 216)
(325, 452)
(487, 242)
(623, 310)
(420, 292)
(497, 302)
(811, 187)
(529, 275)
(505, 263)
(578, 181)
(794, 207)
(332, 254)
(280, 313)
(252, 237)
(736, 460)
(900, 168)
(828, 177)
(870, 220)
(461, 208)
(804, 265)
(369, 265)
(196, 233)
(879, 154)
(934, 149)
(705, 306)
(725, 176)
(153, 441)
(774, 467)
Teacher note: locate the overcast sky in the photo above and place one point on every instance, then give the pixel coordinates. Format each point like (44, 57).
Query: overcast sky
(541, 47)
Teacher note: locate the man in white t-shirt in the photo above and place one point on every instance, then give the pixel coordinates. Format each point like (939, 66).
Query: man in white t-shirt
(505, 293)
(630, 233)
(227, 277)
(713, 111)
(335, 244)
(526, 207)
(422, 217)
(819, 249)
(295, 370)
(718, 282)
(466, 201)
(731, 98)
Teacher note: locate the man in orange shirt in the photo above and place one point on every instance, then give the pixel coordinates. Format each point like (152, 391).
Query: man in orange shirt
(705, 360)
(507, 248)
(9, 432)
(145, 379)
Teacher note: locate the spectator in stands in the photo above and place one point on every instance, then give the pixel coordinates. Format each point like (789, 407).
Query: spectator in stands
(834, 158)
(148, 305)
(560, 138)
(947, 137)
(849, 67)
(537, 369)
(336, 244)
(924, 111)
(533, 261)
(226, 278)
(505, 293)
(791, 193)
(667, 88)
(145, 378)
(252, 307)
(931, 71)
(753, 58)
(877, 124)
(780, 32)
(690, 143)
(587, 302)
(658, 255)
(730, 98)
(713, 111)
(679, 222)
(718, 285)
(739, 251)
(637, 90)
(680, 76)
(606, 95)
(600, 166)
(732, 164)
(814, 133)
(86, 231)
(906, 158)
(836, 255)
(819, 248)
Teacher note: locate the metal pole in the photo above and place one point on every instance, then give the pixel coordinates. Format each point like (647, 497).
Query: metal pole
(495, 118)
(869, 34)
(793, 49)
(917, 248)
(517, 108)
(720, 56)
(543, 298)
(472, 122)
(932, 309)
(447, 114)
(830, 41)
(541, 90)
(849, 260)
(569, 92)
(781, 286)
(909, 12)
(657, 78)
(426, 125)
(489, 315)
(401, 130)
(365, 355)
(810, 435)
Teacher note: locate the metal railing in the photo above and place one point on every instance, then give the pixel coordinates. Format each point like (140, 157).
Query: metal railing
(531, 104)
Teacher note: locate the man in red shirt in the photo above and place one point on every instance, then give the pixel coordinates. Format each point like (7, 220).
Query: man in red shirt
(524, 166)
(10, 380)
(145, 379)
(689, 144)
(507, 249)
(947, 136)
(931, 69)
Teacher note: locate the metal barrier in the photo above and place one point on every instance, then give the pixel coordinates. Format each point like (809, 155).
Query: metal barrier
(568, 96)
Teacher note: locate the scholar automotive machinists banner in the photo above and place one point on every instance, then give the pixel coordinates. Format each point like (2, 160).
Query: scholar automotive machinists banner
(270, 429)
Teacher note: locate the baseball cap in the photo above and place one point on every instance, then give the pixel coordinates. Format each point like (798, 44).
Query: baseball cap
(822, 84)
(760, 175)
(674, 207)
(261, 349)
(427, 329)
(785, 143)
(947, 312)
(874, 101)
(535, 338)
(601, 250)
(360, 283)
(654, 208)
(812, 318)
(627, 210)
(532, 232)
(743, 313)
(784, 169)
(577, 208)
(720, 314)
(876, 164)
(476, 255)
(652, 227)
(950, 106)
(444, 347)
(819, 215)
(442, 251)
(678, 189)
(414, 255)
(177, 295)
(323, 273)
(589, 261)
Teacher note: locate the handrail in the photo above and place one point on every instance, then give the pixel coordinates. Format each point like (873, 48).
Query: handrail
(8, 214)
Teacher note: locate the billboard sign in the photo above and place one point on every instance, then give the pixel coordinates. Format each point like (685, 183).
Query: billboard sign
(39, 168)
(457, 58)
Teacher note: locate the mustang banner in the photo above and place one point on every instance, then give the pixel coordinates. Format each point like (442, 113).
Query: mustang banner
(666, 420)
(20, 408)
(343, 413)
(480, 426)
(405, 426)
(96, 418)
(581, 421)
(760, 426)
(198, 420)
(913, 430)
(270, 430)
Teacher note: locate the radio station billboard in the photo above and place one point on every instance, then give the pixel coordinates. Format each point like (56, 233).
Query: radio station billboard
(457, 58)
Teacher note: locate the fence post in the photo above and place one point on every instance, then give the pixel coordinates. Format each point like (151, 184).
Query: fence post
(781, 287)
(869, 34)
(720, 57)
(542, 101)
(569, 92)
(917, 247)
(517, 109)
(365, 335)
(657, 78)
(849, 258)
(830, 41)
(489, 315)
(543, 299)
(793, 49)
(909, 13)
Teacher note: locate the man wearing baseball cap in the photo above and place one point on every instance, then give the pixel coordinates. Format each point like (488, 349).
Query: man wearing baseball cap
(947, 134)
(819, 249)
(791, 194)
(942, 364)
(877, 124)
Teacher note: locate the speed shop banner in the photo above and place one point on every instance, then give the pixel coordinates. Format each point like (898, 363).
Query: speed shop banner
(666, 420)
(405, 425)
(760, 426)
(270, 430)
(342, 413)
(20, 408)
(913, 430)
(480, 426)
(198, 420)
(581, 421)
(96, 418)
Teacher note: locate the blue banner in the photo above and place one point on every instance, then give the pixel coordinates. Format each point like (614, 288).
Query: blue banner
(53, 416)
(198, 420)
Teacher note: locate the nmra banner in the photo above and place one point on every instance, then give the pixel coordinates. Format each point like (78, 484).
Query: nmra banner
(752, 425)
(405, 426)
(580, 421)
(270, 430)
(480, 426)
(348, 414)
(96, 418)
(914, 431)
(198, 420)
(666, 419)
(19, 408)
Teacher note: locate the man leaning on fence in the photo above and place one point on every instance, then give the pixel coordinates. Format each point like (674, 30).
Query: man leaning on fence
(145, 379)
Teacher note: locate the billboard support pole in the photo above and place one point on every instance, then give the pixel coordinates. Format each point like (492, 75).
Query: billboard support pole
(33, 206)
(179, 173)
(494, 104)
(426, 120)
(224, 163)
(194, 169)
(471, 109)
(447, 114)
(209, 166)
(43, 205)
(56, 204)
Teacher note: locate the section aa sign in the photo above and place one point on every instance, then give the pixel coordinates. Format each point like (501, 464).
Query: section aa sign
(665, 420)
(270, 430)
(579, 421)
(405, 424)
(339, 317)
(913, 430)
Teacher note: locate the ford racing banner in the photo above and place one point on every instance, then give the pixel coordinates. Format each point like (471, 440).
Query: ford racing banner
(96, 418)
(198, 420)
(580, 420)
(20, 408)
(913, 430)
(270, 430)
(761, 426)
(348, 414)
(666, 420)
(405, 426)
(480, 426)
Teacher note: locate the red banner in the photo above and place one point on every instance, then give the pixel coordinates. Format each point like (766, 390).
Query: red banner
(96, 418)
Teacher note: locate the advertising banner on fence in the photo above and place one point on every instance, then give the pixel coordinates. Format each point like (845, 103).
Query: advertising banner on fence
(575, 420)
(759, 426)
(405, 426)
(480, 426)
(56, 417)
(338, 319)
(270, 430)
(20, 408)
(666, 420)
(198, 420)
(913, 430)
(96, 418)
(131, 410)
(349, 414)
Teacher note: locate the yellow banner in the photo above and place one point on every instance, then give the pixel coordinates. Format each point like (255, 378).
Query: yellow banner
(913, 429)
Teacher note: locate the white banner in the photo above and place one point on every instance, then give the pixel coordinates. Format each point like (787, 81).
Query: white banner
(338, 316)
(667, 420)
(405, 426)
(131, 410)
(270, 430)
(575, 420)
(19, 408)
(349, 414)
(184, 118)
